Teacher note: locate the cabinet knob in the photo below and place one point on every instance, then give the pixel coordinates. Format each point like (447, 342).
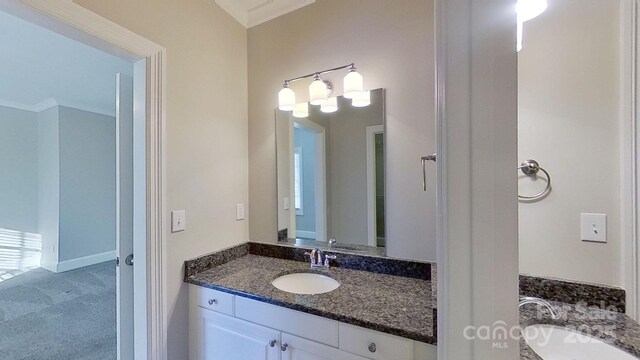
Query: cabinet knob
(372, 347)
(284, 347)
(272, 343)
(213, 301)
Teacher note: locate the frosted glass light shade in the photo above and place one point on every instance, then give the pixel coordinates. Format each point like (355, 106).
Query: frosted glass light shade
(361, 99)
(286, 99)
(330, 106)
(353, 84)
(301, 110)
(519, 36)
(528, 9)
(318, 92)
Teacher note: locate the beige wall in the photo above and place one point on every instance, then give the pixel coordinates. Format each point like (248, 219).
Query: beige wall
(390, 43)
(206, 130)
(569, 120)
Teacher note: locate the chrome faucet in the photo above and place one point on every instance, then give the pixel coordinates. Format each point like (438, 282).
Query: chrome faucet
(332, 241)
(524, 300)
(319, 259)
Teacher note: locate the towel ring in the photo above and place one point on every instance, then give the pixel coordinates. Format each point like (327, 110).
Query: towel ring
(531, 168)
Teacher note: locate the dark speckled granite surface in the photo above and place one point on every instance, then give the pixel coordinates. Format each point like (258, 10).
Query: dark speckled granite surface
(377, 264)
(619, 330)
(397, 305)
(572, 292)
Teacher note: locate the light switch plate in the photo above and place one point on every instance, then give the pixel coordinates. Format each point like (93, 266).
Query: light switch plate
(178, 220)
(593, 227)
(286, 203)
(239, 211)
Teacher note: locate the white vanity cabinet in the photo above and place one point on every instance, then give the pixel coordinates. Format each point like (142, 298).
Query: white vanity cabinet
(223, 337)
(298, 348)
(227, 327)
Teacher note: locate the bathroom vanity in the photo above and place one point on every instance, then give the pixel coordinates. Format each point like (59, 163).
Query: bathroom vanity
(383, 308)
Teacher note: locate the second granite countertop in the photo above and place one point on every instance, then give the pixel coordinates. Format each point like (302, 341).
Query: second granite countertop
(395, 305)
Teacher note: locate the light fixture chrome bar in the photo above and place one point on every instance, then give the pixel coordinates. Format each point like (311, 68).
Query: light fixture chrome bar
(352, 66)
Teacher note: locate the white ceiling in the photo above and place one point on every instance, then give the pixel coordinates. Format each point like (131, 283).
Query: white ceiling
(40, 68)
(254, 12)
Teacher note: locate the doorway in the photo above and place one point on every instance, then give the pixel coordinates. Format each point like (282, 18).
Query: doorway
(61, 99)
(308, 171)
(375, 186)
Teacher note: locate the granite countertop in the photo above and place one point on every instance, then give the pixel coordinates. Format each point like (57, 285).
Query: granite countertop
(339, 247)
(392, 304)
(613, 327)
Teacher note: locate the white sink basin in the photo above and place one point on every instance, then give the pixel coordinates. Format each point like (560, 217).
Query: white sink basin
(557, 343)
(305, 283)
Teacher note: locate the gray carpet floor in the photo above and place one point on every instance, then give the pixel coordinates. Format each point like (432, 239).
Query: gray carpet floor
(66, 316)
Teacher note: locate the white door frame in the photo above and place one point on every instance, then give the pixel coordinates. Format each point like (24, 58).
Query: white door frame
(477, 189)
(78, 23)
(320, 182)
(630, 156)
(371, 131)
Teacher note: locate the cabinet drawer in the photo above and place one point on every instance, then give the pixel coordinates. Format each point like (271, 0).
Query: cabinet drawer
(212, 299)
(299, 349)
(373, 344)
(308, 326)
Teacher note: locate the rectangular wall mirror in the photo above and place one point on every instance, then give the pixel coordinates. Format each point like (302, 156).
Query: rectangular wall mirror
(331, 175)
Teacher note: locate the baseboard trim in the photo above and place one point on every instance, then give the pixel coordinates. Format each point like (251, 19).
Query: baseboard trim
(306, 234)
(49, 266)
(85, 261)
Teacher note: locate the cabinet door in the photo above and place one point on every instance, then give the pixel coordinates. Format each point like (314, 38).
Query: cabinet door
(221, 337)
(298, 348)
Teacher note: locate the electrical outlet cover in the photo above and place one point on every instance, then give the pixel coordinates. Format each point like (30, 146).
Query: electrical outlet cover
(593, 227)
(178, 220)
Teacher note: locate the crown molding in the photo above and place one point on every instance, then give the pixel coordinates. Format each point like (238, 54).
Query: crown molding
(52, 102)
(250, 13)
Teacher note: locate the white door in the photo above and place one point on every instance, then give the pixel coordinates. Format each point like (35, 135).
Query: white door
(298, 348)
(124, 218)
(223, 337)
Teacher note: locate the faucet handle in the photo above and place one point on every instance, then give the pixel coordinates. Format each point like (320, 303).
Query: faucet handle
(331, 242)
(311, 257)
(328, 257)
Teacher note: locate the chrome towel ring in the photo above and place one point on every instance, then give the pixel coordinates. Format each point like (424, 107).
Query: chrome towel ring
(531, 168)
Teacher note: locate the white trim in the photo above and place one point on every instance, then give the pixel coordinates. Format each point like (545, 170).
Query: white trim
(297, 150)
(261, 12)
(371, 131)
(292, 195)
(306, 234)
(630, 181)
(51, 266)
(477, 218)
(45, 104)
(81, 24)
(321, 187)
(321, 168)
(81, 262)
(52, 102)
(41, 106)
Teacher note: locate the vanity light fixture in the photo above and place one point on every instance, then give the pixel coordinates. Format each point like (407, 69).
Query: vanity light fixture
(330, 106)
(361, 99)
(301, 110)
(527, 10)
(286, 98)
(353, 83)
(320, 91)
